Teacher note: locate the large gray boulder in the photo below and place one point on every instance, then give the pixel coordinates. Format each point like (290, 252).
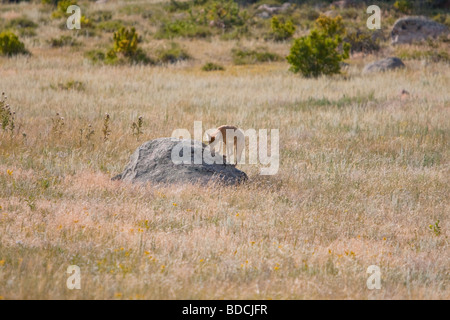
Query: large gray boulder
(154, 162)
(411, 29)
(384, 65)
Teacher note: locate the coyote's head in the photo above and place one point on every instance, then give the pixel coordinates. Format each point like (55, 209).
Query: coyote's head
(212, 137)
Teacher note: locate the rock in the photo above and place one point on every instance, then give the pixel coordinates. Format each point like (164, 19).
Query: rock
(410, 29)
(152, 162)
(384, 65)
(331, 13)
(264, 15)
(266, 10)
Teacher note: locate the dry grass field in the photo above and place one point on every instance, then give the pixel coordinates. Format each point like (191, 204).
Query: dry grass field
(363, 174)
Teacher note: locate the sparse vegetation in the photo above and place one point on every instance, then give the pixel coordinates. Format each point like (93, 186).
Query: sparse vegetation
(211, 66)
(10, 44)
(361, 42)
(23, 25)
(64, 41)
(172, 54)
(252, 56)
(404, 6)
(281, 30)
(125, 50)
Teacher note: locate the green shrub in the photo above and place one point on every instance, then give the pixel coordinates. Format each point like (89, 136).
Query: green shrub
(172, 55)
(404, 6)
(360, 41)
(210, 66)
(96, 55)
(427, 55)
(126, 41)
(51, 2)
(24, 26)
(182, 28)
(226, 14)
(125, 50)
(11, 45)
(61, 8)
(63, 41)
(317, 54)
(101, 16)
(70, 85)
(22, 22)
(174, 6)
(205, 18)
(442, 18)
(247, 56)
(308, 14)
(281, 30)
(110, 26)
(330, 26)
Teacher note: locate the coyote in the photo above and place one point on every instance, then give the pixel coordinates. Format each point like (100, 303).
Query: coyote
(220, 135)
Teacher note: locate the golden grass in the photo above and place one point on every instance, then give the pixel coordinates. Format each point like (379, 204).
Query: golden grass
(362, 176)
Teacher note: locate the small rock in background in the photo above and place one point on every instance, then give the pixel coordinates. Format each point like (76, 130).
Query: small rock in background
(390, 63)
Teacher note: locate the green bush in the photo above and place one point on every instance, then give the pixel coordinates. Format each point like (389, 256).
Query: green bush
(96, 55)
(24, 26)
(51, 2)
(182, 28)
(281, 30)
(247, 56)
(126, 41)
(427, 55)
(11, 45)
(101, 15)
(330, 26)
(110, 26)
(174, 6)
(172, 55)
(317, 54)
(125, 50)
(226, 14)
(404, 6)
(23, 22)
(70, 85)
(61, 8)
(210, 66)
(360, 41)
(204, 18)
(63, 41)
(442, 18)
